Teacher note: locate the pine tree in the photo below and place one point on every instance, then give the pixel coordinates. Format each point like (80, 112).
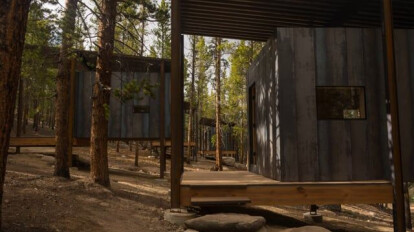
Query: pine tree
(13, 21)
(241, 58)
(101, 93)
(191, 97)
(162, 45)
(62, 91)
(218, 50)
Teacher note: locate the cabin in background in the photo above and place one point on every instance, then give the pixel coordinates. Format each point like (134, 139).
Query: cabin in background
(208, 130)
(317, 105)
(136, 118)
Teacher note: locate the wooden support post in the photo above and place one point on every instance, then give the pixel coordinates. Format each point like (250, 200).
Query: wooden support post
(136, 153)
(177, 98)
(162, 119)
(399, 219)
(71, 110)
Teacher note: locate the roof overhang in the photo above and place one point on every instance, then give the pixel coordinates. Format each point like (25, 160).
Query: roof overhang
(258, 19)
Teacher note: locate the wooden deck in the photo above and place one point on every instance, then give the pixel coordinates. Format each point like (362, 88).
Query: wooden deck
(264, 191)
(43, 142)
(224, 153)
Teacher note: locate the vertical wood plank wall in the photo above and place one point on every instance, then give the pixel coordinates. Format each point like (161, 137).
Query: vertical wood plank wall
(293, 145)
(262, 73)
(123, 122)
(404, 55)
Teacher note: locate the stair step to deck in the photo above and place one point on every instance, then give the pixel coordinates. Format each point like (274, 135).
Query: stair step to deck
(211, 201)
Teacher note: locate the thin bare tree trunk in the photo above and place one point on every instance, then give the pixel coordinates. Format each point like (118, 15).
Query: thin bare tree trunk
(19, 112)
(101, 93)
(35, 125)
(191, 112)
(13, 20)
(219, 158)
(25, 112)
(117, 146)
(63, 92)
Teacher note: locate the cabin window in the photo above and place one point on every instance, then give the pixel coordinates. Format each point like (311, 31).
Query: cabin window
(141, 109)
(252, 125)
(340, 103)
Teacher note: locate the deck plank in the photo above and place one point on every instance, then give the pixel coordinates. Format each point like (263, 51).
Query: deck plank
(265, 191)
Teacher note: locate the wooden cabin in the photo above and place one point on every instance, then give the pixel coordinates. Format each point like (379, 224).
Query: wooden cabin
(317, 107)
(325, 145)
(136, 118)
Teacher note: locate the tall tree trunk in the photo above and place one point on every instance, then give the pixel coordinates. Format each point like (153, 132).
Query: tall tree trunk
(219, 158)
(25, 111)
(191, 112)
(141, 51)
(13, 20)
(35, 125)
(101, 93)
(63, 92)
(19, 112)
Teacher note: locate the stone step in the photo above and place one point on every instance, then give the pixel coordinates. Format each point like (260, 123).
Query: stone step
(212, 201)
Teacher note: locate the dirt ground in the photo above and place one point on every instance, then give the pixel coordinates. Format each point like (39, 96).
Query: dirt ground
(34, 200)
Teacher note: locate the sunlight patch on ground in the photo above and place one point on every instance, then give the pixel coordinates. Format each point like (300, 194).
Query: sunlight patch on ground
(150, 189)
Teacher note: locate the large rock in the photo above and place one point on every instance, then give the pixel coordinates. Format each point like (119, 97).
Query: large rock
(307, 229)
(226, 223)
(229, 161)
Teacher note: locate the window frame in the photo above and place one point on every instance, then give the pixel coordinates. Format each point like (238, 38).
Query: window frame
(365, 115)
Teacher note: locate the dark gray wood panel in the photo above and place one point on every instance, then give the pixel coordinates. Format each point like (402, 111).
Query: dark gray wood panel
(324, 145)
(356, 77)
(262, 74)
(123, 122)
(404, 53)
(306, 121)
(287, 91)
(339, 131)
(374, 92)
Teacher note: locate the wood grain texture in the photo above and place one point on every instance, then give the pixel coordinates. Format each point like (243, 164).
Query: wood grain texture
(262, 75)
(306, 121)
(312, 149)
(262, 191)
(288, 108)
(404, 55)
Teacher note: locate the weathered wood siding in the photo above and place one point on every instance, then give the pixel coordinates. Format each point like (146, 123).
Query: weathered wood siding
(353, 149)
(308, 149)
(262, 73)
(123, 122)
(404, 54)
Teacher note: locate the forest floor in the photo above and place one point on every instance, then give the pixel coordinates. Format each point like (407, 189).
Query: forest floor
(36, 201)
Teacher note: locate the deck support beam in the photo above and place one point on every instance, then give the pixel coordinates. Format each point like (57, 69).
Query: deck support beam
(399, 217)
(177, 99)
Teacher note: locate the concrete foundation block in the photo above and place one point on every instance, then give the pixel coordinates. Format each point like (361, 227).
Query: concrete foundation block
(312, 217)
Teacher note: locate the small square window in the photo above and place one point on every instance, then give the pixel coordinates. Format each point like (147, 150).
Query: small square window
(340, 103)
